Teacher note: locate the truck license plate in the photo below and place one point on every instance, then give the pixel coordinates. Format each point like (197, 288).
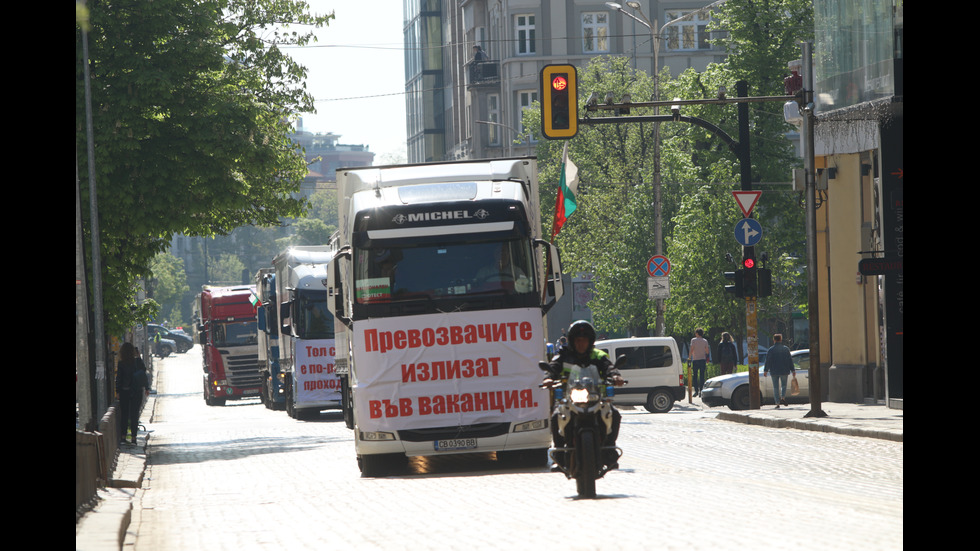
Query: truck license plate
(455, 444)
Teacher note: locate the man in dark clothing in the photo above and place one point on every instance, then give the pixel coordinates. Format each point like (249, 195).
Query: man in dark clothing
(132, 382)
(779, 362)
(581, 351)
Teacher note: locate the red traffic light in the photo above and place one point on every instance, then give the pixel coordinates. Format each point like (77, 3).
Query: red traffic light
(559, 83)
(748, 263)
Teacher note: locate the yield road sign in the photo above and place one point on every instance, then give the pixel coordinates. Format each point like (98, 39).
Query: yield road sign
(658, 266)
(748, 232)
(746, 200)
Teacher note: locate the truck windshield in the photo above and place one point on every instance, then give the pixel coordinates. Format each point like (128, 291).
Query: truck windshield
(465, 269)
(235, 333)
(313, 320)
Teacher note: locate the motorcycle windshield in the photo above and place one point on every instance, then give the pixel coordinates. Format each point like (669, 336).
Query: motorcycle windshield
(577, 373)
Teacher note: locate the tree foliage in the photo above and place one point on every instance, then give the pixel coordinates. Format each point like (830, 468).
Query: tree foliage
(168, 286)
(190, 105)
(612, 233)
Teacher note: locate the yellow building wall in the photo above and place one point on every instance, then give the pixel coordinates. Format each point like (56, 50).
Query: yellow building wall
(847, 301)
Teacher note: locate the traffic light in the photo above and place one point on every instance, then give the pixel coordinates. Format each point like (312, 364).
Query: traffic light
(736, 285)
(559, 102)
(765, 282)
(750, 282)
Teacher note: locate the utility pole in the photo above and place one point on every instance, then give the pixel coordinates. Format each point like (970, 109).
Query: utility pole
(807, 109)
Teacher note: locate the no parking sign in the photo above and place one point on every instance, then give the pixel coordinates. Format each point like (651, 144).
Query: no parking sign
(658, 266)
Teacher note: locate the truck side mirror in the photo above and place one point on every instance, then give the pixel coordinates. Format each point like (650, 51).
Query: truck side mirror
(285, 313)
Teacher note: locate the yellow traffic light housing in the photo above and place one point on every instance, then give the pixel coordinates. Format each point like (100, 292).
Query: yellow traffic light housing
(559, 102)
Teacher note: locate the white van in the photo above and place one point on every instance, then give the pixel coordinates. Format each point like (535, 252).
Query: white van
(653, 369)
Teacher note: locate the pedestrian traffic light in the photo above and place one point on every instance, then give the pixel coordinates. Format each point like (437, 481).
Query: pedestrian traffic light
(749, 276)
(736, 286)
(559, 102)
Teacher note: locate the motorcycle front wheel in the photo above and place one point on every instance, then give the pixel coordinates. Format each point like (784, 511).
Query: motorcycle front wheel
(585, 453)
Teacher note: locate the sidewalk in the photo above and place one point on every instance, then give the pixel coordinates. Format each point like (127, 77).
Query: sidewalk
(869, 420)
(104, 527)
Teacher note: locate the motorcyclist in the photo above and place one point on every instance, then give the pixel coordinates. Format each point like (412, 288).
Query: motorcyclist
(581, 351)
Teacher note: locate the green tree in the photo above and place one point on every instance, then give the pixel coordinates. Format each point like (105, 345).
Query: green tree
(762, 37)
(168, 287)
(610, 235)
(190, 106)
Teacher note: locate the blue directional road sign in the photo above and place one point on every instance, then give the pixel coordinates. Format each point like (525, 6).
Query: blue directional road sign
(748, 232)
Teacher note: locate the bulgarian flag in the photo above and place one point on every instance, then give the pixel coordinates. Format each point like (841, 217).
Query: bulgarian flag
(565, 203)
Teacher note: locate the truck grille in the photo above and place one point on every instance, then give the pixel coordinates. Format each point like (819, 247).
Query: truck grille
(242, 370)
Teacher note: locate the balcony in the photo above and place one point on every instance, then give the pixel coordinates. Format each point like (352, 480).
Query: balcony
(483, 73)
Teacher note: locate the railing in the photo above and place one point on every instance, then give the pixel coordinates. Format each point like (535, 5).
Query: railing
(482, 73)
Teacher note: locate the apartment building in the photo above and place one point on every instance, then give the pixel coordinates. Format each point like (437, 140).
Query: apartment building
(472, 66)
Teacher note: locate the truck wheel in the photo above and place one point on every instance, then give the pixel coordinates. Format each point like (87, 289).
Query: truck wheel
(380, 464)
(346, 403)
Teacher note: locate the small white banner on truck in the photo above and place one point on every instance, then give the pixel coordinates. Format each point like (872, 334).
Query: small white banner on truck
(450, 369)
(316, 380)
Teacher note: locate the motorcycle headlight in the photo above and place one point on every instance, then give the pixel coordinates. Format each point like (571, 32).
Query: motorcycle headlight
(579, 395)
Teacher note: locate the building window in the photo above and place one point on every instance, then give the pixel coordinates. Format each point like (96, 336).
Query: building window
(493, 115)
(688, 35)
(595, 32)
(524, 29)
(525, 99)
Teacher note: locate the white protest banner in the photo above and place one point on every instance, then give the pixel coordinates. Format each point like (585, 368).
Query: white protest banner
(449, 369)
(315, 377)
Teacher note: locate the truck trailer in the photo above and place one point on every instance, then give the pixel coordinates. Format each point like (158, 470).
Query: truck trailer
(440, 287)
(229, 343)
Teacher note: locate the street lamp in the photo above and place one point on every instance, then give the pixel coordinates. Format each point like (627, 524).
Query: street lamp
(656, 36)
(517, 133)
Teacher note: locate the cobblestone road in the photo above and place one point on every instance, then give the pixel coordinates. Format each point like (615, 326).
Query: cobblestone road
(244, 477)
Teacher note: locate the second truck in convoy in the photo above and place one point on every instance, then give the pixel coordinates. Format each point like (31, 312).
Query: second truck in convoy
(306, 335)
(440, 285)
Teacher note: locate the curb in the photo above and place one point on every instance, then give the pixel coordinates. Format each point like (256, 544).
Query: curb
(812, 424)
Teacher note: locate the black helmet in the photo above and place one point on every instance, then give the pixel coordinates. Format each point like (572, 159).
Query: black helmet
(581, 328)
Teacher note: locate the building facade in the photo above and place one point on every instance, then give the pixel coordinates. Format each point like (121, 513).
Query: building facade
(467, 103)
(858, 65)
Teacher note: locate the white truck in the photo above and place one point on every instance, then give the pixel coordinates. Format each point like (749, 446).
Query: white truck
(306, 335)
(441, 285)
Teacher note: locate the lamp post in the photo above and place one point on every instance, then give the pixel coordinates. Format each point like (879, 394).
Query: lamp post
(517, 133)
(656, 35)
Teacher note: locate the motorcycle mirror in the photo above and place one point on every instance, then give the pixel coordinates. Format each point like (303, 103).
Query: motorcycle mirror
(621, 361)
(543, 366)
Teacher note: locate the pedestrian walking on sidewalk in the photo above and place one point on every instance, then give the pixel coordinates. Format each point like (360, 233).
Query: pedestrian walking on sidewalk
(779, 363)
(727, 354)
(700, 354)
(132, 383)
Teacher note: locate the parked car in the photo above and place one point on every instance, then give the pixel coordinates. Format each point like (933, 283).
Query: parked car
(653, 368)
(733, 390)
(181, 341)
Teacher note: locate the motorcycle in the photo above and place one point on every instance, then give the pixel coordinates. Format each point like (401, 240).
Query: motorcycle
(584, 416)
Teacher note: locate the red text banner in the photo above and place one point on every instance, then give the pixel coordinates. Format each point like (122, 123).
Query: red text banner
(449, 369)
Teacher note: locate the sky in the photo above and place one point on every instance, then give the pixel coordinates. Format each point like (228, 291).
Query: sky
(356, 74)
